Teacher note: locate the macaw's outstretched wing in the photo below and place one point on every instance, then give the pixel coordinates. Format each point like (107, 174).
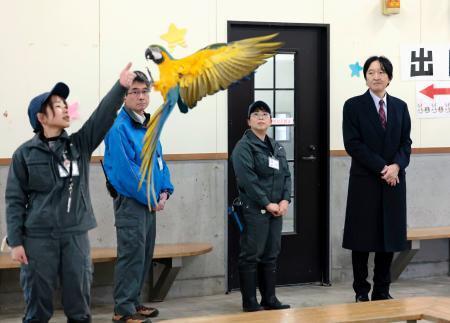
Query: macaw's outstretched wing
(215, 67)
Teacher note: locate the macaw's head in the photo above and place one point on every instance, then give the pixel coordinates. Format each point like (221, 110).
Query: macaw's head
(155, 53)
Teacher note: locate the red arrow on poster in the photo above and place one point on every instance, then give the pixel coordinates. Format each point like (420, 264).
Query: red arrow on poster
(431, 91)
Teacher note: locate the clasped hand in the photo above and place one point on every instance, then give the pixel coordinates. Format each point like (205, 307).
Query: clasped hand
(279, 209)
(390, 174)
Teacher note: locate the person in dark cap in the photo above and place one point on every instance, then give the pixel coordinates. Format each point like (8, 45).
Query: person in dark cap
(264, 185)
(48, 207)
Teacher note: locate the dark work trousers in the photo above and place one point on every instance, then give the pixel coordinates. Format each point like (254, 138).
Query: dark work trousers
(381, 272)
(260, 240)
(136, 232)
(66, 259)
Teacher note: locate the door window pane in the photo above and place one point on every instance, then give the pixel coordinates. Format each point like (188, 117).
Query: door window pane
(264, 75)
(284, 74)
(288, 219)
(284, 101)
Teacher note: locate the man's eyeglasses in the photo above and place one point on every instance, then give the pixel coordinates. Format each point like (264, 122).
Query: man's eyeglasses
(260, 115)
(137, 93)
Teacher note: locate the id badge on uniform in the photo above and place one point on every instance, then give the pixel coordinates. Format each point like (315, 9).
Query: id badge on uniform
(274, 163)
(160, 163)
(64, 171)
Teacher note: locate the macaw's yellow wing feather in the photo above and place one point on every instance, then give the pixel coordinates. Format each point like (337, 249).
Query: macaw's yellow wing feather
(217, 66)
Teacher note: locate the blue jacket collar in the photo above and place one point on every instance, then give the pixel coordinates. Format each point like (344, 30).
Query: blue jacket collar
(134, 121)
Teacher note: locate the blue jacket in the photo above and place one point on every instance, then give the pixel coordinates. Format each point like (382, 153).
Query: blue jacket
(123, 146)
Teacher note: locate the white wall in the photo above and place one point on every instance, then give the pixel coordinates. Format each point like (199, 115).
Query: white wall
(86, 43)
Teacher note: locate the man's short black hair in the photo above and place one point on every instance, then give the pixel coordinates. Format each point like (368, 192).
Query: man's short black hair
(385, 63)
(141, 78)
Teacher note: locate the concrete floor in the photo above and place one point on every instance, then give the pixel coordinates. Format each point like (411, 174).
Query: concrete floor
(297, 296)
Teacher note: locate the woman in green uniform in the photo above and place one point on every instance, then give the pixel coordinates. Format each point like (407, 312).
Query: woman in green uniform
(264, 184)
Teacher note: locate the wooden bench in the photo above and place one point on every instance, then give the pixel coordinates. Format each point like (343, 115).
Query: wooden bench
(168, 256)
(414, 236)
(435, 309)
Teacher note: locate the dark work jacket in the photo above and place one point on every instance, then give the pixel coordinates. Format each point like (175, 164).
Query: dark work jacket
(259, 184)
(376, 212)
(37, 197)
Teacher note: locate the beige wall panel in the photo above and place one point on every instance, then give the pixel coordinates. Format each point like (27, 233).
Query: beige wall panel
(44, 42)
(435, 28)
(435, 21)
(125, 33)
(359, 30)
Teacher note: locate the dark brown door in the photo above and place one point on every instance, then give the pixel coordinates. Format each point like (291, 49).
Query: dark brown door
(295, 83)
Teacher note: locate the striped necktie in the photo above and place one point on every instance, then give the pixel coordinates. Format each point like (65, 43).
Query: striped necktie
(382, 114)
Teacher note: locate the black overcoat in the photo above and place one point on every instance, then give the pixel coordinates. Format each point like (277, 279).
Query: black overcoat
(376, 212)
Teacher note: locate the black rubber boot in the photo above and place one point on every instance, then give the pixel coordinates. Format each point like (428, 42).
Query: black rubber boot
(267, 279)
(247, 281)
(86, 320)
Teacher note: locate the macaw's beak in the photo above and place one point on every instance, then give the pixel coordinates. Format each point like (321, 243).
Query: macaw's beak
(154, 53)
(148, 54)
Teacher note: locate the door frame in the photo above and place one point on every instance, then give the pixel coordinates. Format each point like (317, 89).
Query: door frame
(324, 142)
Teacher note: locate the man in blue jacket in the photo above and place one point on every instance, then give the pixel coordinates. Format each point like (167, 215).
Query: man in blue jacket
(135, 223)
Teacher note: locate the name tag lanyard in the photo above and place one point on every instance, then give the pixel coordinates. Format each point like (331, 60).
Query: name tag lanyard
(69, 200)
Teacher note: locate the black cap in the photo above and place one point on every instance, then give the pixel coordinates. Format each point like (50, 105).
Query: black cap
(258, 105)
(60, 89)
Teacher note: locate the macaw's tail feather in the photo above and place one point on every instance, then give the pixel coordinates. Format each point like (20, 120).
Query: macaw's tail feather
(154, 129)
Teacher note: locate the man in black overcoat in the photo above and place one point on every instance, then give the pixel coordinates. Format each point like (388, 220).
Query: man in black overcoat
(376, 129)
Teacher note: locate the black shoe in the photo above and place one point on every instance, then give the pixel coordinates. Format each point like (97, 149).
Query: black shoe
(361, 298)
(86, 320)
(274, 304)
(254, 308)
(381, 296)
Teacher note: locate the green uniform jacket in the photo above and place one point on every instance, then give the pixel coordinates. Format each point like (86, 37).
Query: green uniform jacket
(37, 196)
(259, 184)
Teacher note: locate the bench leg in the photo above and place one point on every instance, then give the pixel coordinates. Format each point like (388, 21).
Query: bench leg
(160, 287)
(411, 321)
(403, 258)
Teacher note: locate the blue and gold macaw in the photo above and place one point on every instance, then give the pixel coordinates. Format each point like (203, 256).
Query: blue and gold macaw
(186, 81)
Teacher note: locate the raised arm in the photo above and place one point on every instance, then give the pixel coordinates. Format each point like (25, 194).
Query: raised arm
(95, 128)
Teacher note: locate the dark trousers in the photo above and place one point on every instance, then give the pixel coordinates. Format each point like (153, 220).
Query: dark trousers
(136, 232)
(66, 260)
(260, 240)
(381, 272)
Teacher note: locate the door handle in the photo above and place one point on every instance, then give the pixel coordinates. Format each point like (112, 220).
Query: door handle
(309, 158)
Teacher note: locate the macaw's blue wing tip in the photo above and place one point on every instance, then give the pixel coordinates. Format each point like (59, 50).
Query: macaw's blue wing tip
(182, 106)
(245, 78)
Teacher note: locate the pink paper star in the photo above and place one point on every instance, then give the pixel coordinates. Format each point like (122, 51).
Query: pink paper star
(73, 110)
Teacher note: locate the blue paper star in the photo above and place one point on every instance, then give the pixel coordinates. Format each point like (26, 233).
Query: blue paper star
(356, 68)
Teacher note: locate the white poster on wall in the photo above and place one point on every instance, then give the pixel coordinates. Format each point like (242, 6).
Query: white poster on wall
(423, 62)
(433, 99)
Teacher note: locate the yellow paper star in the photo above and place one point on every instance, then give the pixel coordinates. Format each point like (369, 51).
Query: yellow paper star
(174, 37)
